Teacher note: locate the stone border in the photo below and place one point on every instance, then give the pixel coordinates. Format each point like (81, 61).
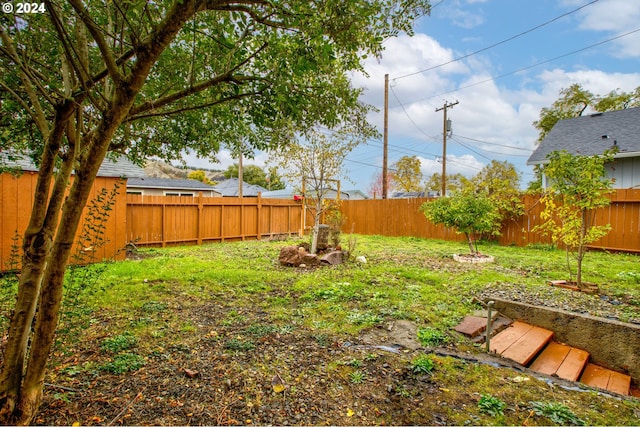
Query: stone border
(611, 343)
(473, 260)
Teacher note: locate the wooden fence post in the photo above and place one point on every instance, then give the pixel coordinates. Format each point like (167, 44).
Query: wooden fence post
(259, 216)
(200, 218)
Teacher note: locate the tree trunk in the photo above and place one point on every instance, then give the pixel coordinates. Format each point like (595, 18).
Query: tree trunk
(472, 250)
(581, 248)
(44, 262)
(316, 231)
(21, 392)
(36, 250)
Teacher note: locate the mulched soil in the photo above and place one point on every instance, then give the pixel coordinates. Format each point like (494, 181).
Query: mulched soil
(230, 376)
(234, 366)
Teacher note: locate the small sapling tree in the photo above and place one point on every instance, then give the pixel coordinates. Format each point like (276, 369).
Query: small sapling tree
(470, 214)
(577, 187)
(318, 162)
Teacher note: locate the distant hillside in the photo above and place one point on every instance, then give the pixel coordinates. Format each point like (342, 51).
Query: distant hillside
(159, 169)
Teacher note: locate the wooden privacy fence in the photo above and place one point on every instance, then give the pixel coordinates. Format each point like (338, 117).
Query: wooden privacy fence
(402, 217)
(16, 203)
(168, 220)
(162, 220)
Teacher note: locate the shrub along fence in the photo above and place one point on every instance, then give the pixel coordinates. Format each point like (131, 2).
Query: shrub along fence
(402, 217)
(169, 220)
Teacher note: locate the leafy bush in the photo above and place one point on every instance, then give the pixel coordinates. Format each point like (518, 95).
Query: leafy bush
(124, 362)
(470, 214)
(431, 336)
(422, 364)
(491, 405)
(558, 413)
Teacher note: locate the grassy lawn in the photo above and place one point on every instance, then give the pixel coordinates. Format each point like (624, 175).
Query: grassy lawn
(222, 334)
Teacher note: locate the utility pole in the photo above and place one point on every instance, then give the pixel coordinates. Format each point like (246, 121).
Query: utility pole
(445, 129)
(386, 136)
(240, 176)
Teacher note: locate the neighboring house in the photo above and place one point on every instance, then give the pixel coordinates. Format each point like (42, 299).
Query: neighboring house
(170, 187)
(119, 168)
(229, 188)
(592, 135)
(415, 194)
(331, 194)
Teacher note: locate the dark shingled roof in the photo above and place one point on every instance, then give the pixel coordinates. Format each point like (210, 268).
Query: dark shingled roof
(121, 168)
(592, 135)
(164, 183)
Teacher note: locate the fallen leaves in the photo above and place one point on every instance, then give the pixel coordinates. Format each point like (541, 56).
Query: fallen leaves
(278, 384)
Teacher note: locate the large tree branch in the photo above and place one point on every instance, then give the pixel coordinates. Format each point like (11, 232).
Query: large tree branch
(169, 99)
(191, 108)
(226, 77)
(151, 48)
(96, 34)
(36, 112)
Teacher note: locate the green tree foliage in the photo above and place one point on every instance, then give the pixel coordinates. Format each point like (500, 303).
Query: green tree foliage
(500, 181)
(252, 174)
(155, 79)
(200, 175)
(577, 187)
(408, 176)
(573, 101)
(455, 182)
(469, 213)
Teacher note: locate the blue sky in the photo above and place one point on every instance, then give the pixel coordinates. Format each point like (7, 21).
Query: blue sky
(494, 115)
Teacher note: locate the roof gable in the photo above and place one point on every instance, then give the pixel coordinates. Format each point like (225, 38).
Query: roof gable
(592, 135)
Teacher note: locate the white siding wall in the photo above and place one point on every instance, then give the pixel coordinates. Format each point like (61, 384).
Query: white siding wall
(625, 172)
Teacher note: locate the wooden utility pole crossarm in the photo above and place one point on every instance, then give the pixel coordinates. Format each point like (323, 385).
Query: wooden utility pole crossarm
(444, 146)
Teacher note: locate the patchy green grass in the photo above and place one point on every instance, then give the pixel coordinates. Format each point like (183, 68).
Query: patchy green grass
(232, 317)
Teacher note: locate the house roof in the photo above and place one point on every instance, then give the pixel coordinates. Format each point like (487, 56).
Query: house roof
(120, 168)
(592, 135)
(408, 194)
(288, 193)
(229, 188)
(168, 183)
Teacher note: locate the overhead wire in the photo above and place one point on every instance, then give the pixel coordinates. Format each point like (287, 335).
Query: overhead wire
(513, 147)
(530, 66)
(496, 44)
(453, 138)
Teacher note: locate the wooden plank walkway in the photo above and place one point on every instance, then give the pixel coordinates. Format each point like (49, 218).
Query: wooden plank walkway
(520, 342)
(597, 376)
(561, 360)
(524, 343)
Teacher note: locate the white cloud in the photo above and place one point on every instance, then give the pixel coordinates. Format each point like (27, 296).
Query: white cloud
(466, 165)
(615, 17)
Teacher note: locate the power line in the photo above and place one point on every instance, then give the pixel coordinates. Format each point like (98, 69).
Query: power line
(528, 67)
(472, 150)
(407, 114)
(494, 143)
(495, 44)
